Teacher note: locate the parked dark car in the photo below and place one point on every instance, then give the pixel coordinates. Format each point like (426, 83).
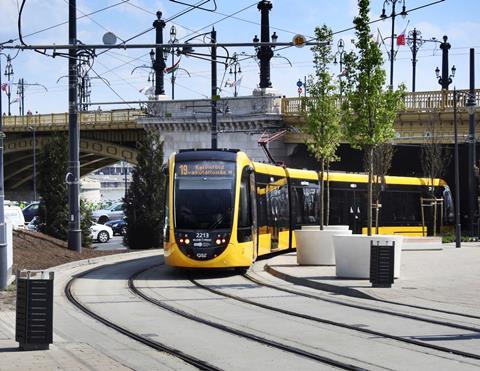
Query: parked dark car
(30, 211)
(118, 226)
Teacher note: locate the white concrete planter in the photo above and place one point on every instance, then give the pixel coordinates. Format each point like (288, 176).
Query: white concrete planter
(336, 227)
(325, 227)
(352, 254)
(315, 247)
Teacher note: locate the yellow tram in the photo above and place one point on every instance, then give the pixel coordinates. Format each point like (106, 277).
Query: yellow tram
(223, 210)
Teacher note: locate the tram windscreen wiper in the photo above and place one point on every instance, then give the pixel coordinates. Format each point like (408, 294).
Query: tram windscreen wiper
(216, 223)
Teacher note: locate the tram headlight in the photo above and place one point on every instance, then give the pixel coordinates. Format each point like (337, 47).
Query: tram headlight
(218, 241)
(187, 241)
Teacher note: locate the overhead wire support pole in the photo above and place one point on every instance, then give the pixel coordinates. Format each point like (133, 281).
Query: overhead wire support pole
(214, 88)
(3, 232)
(73, 175)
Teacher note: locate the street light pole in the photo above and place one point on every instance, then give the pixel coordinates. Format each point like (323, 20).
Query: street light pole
(3, 232)
(34, 178)
(445, 79)
(9, 74)
(403, 13)
(458, 227)
(472, 187)
(173, 40)
(341, 53)
(236, 69)
(415, 42)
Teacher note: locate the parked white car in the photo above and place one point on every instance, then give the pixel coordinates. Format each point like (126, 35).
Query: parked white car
(101, 233)
(114, 212)
(14, 215)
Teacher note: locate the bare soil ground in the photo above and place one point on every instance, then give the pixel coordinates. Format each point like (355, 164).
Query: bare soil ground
(33, 250)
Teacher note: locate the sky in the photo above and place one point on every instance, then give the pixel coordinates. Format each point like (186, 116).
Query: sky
(115, 77)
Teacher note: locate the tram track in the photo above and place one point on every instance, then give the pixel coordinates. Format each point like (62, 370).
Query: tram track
(237, 332)
(339, 324)
(289, 279)
(198, 363)
(364, 307)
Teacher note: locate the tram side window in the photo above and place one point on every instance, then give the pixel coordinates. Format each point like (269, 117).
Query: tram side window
(244, 231)
(311, 205)
(305, 205)
(400, 208)
(277, 205)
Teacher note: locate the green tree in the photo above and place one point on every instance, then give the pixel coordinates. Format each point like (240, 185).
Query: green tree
(323, 114)
(53, 190)
(369, 111)
(144, 201)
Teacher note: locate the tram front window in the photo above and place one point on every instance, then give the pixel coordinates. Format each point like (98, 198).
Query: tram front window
(204, 193)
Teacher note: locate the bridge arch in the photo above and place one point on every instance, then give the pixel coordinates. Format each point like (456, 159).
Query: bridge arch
(94, 154)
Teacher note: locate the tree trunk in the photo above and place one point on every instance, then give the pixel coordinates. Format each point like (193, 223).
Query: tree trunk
(322, 192)
(370, 190)
(327, 209)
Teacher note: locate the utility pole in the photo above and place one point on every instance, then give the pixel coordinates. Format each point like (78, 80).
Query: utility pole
(159, 64)
(213, 37)
(9, 74)
(471, 140)
(73, 175)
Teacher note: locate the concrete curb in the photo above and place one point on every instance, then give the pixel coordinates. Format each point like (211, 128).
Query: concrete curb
(114, 258)
(347, 291)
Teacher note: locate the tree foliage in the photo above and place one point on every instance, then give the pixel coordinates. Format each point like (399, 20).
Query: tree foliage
(53, 190)
(323, 115)
(144, 201)
(369, 111)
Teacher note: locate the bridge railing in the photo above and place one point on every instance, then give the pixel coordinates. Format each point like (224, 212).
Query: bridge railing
(414, 102)
(61, 119)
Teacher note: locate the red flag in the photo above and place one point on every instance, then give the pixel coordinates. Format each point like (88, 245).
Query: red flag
(401, 39)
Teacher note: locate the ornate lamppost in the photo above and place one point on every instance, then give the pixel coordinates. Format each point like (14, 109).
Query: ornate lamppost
(235, 69)
(403, 13)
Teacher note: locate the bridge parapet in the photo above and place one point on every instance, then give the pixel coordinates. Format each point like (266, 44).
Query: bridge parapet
(201, 108)
(59, 121)
(414, 102)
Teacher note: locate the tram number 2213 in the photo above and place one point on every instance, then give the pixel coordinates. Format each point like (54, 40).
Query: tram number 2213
(199, 235)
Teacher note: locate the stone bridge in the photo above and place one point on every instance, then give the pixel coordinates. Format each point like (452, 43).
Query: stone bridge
(110, 136)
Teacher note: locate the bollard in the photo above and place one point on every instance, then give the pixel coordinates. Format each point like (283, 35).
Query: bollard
(34, 315)
(382, 262)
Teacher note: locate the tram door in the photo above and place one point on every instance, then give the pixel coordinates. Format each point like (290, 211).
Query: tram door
(347, 206)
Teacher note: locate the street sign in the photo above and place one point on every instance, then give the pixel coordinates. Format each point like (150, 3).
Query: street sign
(300, 90)
(299, 83)
(299, 41)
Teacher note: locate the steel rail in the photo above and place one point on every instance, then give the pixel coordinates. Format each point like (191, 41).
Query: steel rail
(340, 324)
(271, 271)
(231, 330)
(201, 365)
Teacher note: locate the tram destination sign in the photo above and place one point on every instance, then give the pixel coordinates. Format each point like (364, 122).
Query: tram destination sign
(205, 169)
